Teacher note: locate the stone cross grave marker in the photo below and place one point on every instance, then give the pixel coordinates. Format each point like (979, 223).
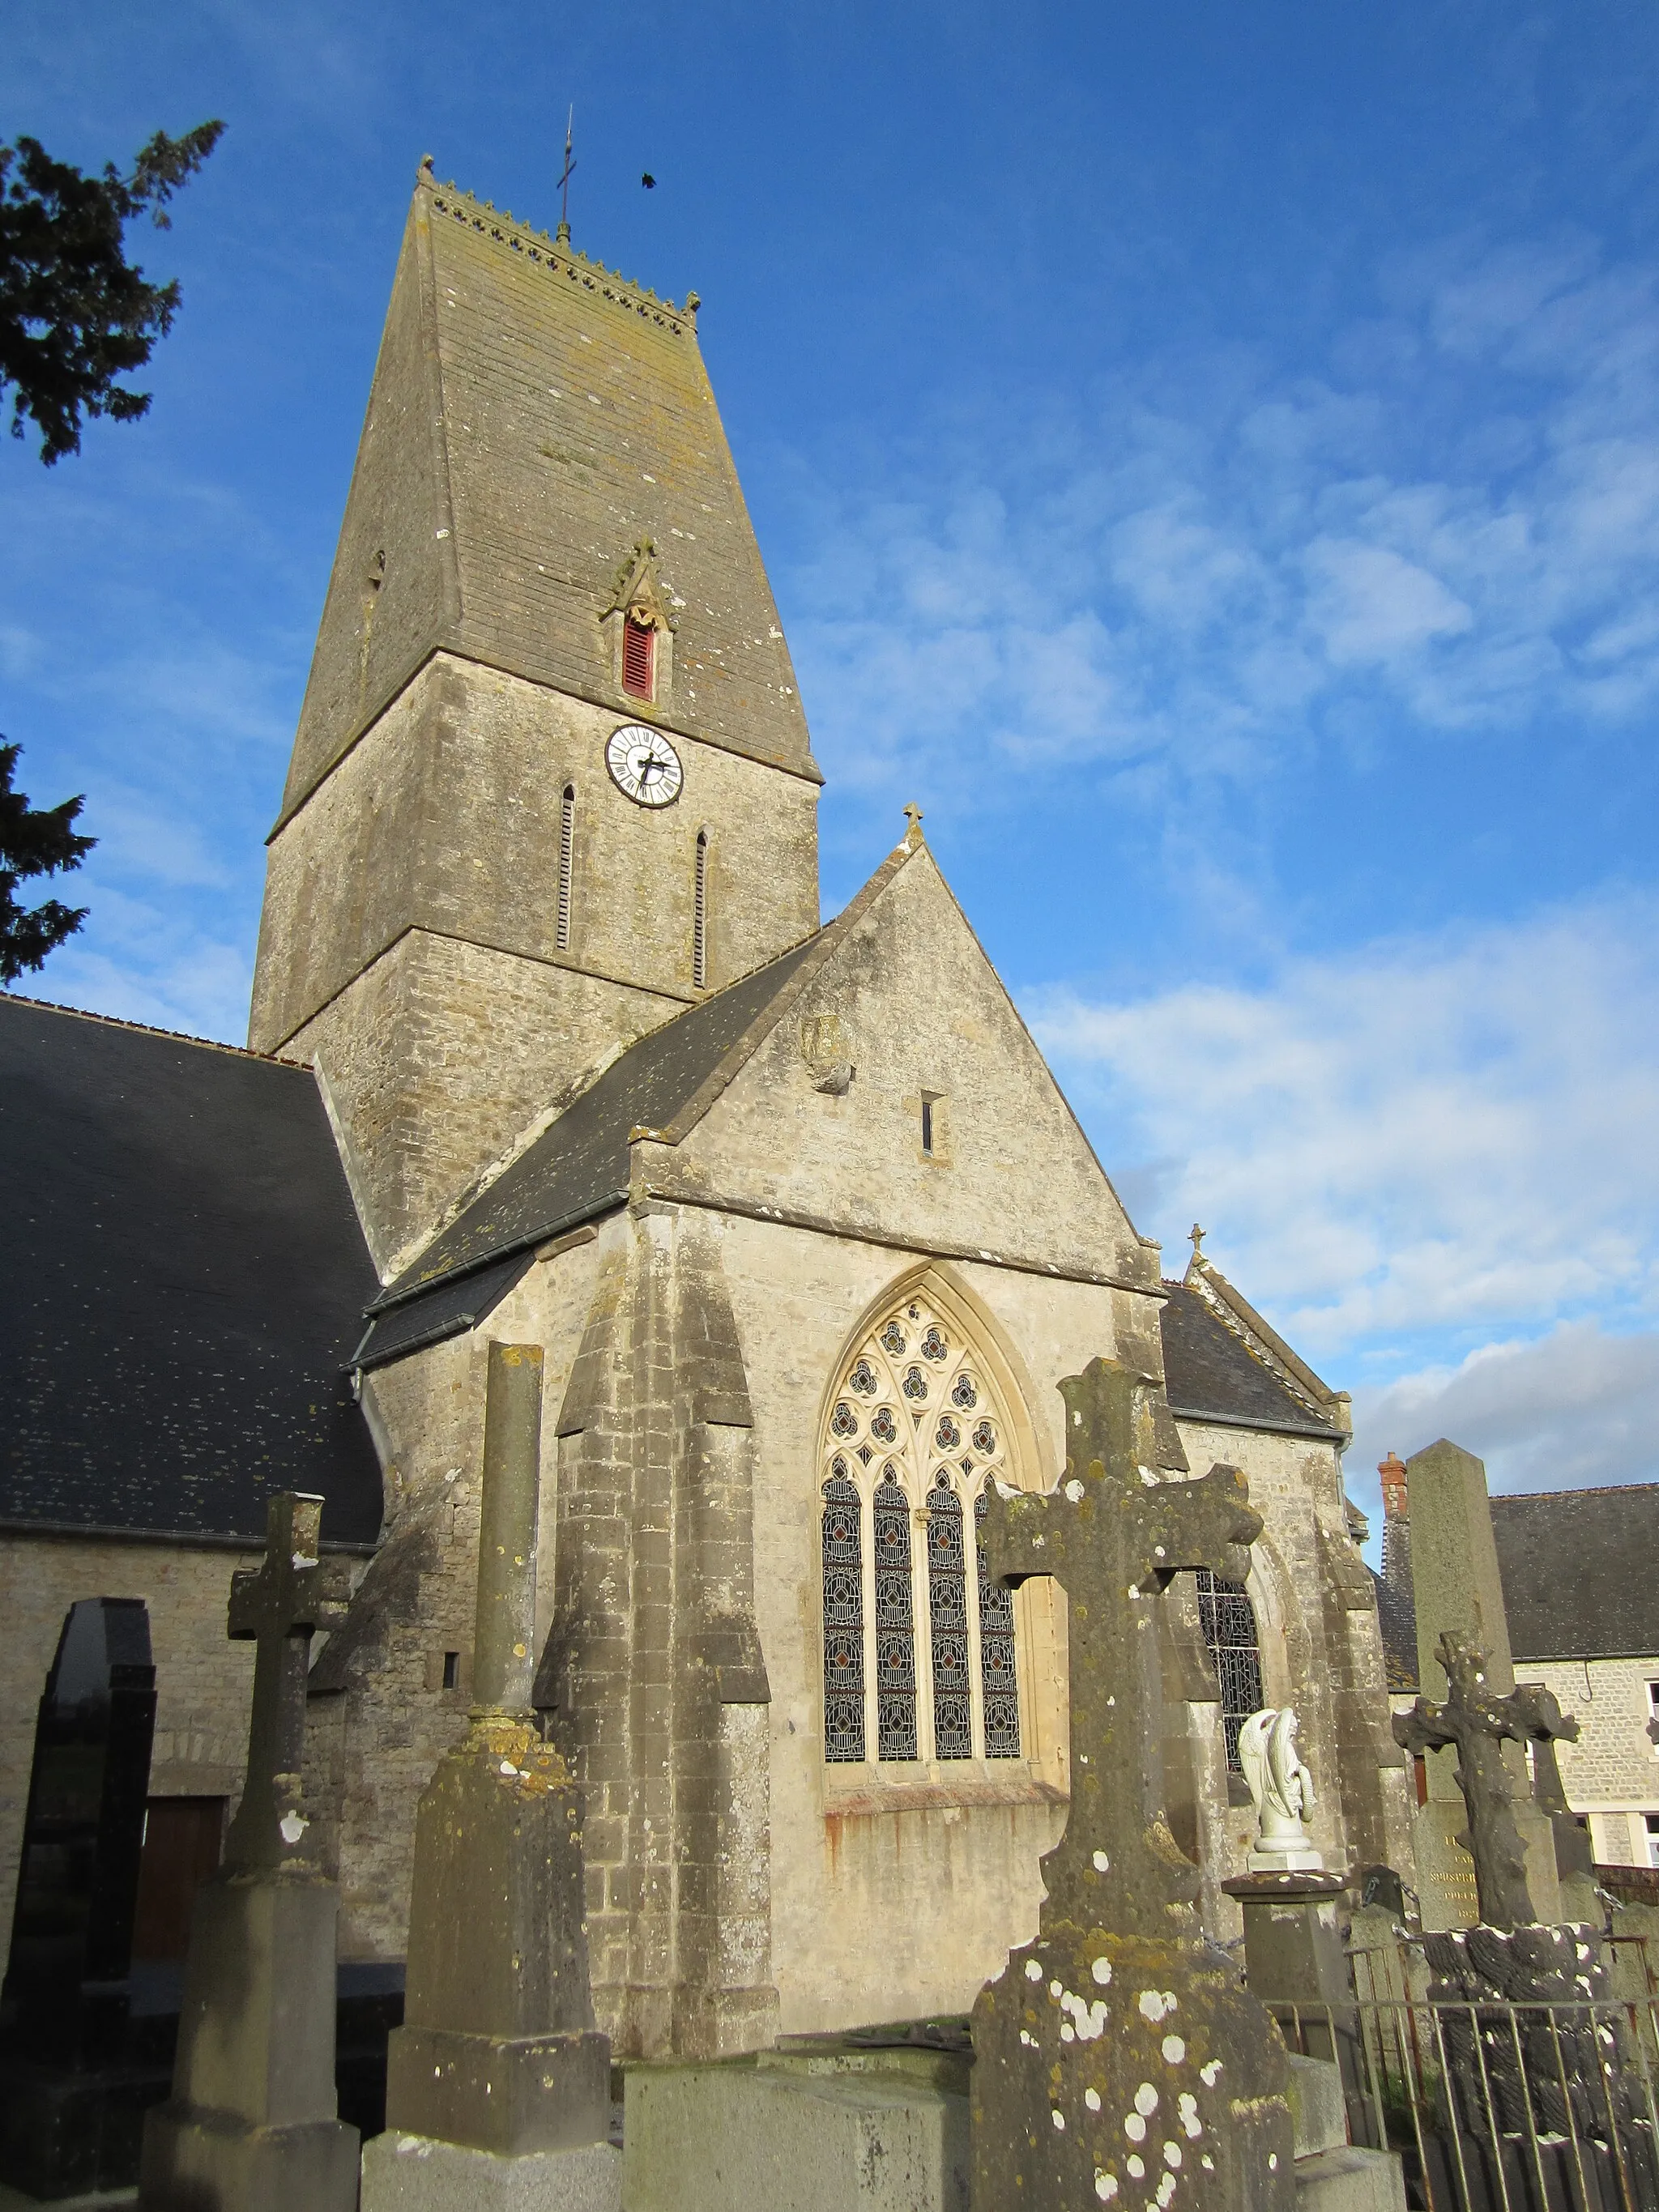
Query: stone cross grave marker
(1116, 2057)
(1477, 1724)
(279, 1607)
(252, 2120)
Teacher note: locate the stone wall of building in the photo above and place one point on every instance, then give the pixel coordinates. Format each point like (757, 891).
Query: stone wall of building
(409, 941)
(1321, 1651)
(203, 1682)
(1611, 1774)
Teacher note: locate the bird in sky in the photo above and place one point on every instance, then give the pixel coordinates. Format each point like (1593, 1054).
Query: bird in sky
(648, 181)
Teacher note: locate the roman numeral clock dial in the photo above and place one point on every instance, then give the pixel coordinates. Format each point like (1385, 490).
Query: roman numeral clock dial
(644, 765)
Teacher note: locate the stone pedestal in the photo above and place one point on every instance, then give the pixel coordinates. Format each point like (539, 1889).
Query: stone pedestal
(419, 2173)
(824, 2128)
(1294, 1957)
(1293, 1948)
(251, 2123)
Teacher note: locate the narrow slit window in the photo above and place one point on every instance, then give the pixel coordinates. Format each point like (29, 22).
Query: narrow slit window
(566, 862)
(639, 659)
(927, 1126)
(451, 1670)
(700, 916)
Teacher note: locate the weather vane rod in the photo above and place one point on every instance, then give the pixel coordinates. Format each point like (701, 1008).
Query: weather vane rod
(564, 180)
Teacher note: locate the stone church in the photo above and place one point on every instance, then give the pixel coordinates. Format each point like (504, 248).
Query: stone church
(547, 1045)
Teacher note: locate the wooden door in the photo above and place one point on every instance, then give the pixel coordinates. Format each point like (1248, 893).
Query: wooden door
(182, 1839)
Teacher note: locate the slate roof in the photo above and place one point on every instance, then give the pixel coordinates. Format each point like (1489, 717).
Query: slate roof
(1397, 1617)
(577, 1169)
(1578, 1570)
(1214, 1375)
(183, 1280)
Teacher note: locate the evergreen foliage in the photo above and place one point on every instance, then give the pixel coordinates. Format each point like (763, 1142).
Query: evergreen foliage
(74, 314)
(34, 841)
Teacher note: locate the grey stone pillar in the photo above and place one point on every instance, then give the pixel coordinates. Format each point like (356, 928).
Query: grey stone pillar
(498, 2085)
(1455, 1577)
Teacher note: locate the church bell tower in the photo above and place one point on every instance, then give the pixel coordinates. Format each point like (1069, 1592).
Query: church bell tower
(552, 782)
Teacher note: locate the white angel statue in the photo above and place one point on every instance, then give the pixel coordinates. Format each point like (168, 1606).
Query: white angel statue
(1282, 1790)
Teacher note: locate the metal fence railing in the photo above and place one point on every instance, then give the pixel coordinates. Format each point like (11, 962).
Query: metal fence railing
(1496, 2107)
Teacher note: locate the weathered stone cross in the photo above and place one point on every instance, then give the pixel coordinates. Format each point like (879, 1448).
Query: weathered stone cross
(1116, 2060)
(280, 1606)
(1113, 1537)
(1477, 1722)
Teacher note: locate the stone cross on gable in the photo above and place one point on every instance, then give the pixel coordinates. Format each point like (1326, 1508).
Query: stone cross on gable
(1477, 1724)
(280, 1606)
(1114, 1536)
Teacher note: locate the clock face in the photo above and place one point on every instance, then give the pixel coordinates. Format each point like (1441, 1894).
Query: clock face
(645, 765)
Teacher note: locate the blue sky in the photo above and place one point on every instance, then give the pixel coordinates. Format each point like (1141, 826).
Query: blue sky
(1209, 456)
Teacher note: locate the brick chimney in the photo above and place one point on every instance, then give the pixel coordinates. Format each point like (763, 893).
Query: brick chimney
(1396, 1525)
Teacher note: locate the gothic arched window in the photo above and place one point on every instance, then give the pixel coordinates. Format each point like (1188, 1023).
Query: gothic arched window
(915, 1430)
(1228, 1620)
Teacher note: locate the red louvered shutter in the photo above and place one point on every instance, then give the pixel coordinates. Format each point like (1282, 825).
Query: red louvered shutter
(638, 655)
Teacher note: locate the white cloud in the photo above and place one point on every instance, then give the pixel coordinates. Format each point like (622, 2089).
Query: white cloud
(1454, 522)
(1449, 1135)
(1574, 1407)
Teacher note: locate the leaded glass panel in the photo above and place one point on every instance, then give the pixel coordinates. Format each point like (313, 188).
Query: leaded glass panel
(1228, 1622)
(947, 1610)
(914, 1361)
(843, 1618)
(999, 1675)
(895, 1636)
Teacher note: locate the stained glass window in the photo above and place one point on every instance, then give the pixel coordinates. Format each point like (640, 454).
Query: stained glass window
(1228, 1621)
(843, 1618)
(956, 1696)
(947, 1612)
(896, 1625)
(996, 1659)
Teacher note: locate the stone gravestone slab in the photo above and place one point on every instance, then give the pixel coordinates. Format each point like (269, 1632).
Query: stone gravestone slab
(252, 2124)
(71, 2100)
(498, 2084)
(1456, 1585)
(1116, 2059)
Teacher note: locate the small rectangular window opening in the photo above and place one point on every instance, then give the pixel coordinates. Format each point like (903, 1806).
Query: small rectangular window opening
(451, 1670)
(700, 916)
(639, 659)
(567, 857)
(929, 1100)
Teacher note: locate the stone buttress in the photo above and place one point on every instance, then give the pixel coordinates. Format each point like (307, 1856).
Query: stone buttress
(653, 1669)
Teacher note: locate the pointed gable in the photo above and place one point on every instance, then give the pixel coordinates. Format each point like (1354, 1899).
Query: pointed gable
(903, 1012)
(533, 419)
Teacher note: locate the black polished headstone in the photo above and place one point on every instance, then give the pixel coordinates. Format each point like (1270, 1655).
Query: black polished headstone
(72, 2088)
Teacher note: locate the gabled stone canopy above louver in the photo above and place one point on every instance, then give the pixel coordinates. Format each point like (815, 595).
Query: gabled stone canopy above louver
(533, 419)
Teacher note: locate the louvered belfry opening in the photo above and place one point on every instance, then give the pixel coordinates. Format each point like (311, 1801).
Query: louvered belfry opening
(639, 659)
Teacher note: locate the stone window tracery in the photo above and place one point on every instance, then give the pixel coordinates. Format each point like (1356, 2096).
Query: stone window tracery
(903, 1498)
